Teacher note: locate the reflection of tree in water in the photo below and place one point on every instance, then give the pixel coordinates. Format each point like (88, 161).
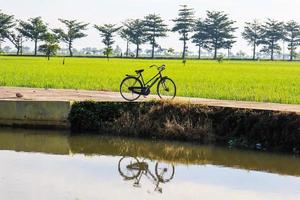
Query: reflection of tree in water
(171, 152)
(133, 169)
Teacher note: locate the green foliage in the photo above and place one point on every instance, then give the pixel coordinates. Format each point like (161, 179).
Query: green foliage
(34, 29)
(292, 36)
(6, 23)
(272, 33)
(236, 80)
(51, 46)
(184, 25)
(17, 39)
(252, 34)
(107, 31)
(219, 30)
(200, 38)
(154, 27)
(74, 31)
(134, 32)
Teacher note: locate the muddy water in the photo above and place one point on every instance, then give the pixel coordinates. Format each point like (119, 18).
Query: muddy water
(55, 165)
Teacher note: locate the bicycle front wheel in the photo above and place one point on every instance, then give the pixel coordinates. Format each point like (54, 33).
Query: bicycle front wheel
(166, 89)
(126, 90)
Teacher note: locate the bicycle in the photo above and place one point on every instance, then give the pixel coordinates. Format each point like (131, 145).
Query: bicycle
(132, 87)
(131, 168)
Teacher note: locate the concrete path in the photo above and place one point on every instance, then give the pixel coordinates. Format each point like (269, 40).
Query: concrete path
(34, 94)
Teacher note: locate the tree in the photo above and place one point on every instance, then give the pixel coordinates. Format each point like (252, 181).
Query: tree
(272, 33)
(17, 40)
(219, 29)
(184, 25)
(74, 31)
(154, 28)
(135, 33)
(51, 46)
(228, 45)
(200, 37)
(292, 36)
(118, 51)
(107, 31)
(124, 35)
(35, 30)
(252, 34)
(6, 23)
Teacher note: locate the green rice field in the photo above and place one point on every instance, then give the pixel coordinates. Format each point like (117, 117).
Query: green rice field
(235, 80)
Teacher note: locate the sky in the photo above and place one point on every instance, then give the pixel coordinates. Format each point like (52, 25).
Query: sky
(116, 12)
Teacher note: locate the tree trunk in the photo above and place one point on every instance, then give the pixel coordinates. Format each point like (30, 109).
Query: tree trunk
(292, 51)
(21, 46)
(153, 46)
(272, 51)
(216, 53)
(35, 47)
(137, 50)
(254, 50)
(152, 53)
(228, 53)
(184, 49)
(127, 48)
(70, 49)
(18, 51)
(199, 52)
(107, 52)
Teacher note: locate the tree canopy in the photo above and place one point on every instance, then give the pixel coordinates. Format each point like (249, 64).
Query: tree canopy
(34, 29)
(6, 23)
(219, 29)
(51, 46)
(107, 32)
(272, 33)
(200, 37)
(184, 25)
(252, 34)
(74, 31)
(135, 31)
(154, 28)
(292, 36)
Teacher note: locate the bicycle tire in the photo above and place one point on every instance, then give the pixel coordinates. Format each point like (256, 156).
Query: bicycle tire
(126, 94)
(172, 84)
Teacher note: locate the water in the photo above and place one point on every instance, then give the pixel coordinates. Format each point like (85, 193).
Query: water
(53, 165)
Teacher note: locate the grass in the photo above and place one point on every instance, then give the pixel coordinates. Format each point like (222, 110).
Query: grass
(235, 80)
(251, 129)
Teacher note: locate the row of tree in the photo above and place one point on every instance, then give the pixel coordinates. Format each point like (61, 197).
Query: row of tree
(214, 32)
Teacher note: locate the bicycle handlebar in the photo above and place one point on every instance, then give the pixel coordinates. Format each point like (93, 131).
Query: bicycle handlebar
(161, 68)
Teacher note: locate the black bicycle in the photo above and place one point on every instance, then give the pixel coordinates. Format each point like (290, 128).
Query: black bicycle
(132, 87)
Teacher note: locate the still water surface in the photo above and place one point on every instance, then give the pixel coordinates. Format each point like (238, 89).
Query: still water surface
(53, 165)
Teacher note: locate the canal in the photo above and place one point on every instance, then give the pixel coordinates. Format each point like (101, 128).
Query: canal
(56, 165)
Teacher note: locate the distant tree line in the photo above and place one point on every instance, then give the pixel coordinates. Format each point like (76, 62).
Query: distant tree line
(213, 32)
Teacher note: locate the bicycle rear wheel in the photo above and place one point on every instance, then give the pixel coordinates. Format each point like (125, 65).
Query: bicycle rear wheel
(166, 89)
(164, 172)
(127, 93)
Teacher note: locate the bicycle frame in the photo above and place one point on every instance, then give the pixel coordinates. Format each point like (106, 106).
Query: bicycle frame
(157, 77)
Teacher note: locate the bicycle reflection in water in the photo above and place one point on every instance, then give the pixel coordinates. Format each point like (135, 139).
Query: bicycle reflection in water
(131, 168)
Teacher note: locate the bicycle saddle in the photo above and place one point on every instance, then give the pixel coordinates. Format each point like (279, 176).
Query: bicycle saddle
(139, 71)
